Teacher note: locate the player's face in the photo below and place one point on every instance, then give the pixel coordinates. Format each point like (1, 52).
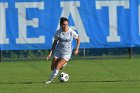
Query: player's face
(64, 25)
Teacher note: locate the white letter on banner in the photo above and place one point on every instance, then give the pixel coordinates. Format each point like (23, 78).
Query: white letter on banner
(70, 7)
(139, 18)
(3, 39)
(112, 5)
(23, 23)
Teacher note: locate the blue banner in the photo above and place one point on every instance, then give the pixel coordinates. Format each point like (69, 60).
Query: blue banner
(31, 24)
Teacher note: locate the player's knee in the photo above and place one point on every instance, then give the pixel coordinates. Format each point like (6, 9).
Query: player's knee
(58, 66)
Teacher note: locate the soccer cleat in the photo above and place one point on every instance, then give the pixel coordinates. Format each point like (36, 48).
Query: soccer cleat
(48, 82)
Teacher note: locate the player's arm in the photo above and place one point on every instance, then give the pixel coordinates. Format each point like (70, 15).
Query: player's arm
(52, 49)
(77, 46)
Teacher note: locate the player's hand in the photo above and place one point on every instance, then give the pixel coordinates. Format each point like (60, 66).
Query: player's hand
(48, 57)
(76, 52)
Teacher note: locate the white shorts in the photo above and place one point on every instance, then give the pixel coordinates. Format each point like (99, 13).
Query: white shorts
(66, 57)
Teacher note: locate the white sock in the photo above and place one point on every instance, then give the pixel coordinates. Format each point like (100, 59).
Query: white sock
(54, 74)
(64, 64)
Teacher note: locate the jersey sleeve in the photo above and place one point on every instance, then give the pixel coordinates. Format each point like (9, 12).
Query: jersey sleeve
(75, 35)
(56, 36)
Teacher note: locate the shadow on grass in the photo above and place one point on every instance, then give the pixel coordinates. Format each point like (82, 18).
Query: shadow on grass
(107, 81)
(28, 82)
(87, 81)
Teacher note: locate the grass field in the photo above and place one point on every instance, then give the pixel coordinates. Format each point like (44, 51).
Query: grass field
(86, 76)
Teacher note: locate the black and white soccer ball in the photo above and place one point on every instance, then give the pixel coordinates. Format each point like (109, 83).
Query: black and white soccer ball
(63, 77)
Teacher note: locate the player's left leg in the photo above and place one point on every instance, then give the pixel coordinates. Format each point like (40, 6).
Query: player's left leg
(61, 63)
(67, 58)
(63, 66)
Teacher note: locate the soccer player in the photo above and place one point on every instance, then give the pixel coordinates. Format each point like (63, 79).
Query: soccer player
(62, 47)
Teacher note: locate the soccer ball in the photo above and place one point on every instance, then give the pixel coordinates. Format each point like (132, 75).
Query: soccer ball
(63, 77)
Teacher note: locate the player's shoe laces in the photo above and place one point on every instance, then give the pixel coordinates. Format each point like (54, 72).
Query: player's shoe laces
(48, 82)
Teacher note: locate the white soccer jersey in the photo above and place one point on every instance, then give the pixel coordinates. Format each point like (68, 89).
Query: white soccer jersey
(64, 45)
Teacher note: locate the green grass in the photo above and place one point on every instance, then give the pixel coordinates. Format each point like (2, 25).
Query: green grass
(86, 76)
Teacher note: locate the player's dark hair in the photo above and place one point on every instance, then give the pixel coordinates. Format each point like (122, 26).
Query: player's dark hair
(62, 19)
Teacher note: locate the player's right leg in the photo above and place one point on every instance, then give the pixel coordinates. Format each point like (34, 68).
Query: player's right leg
(54, 63)
(54, 71)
